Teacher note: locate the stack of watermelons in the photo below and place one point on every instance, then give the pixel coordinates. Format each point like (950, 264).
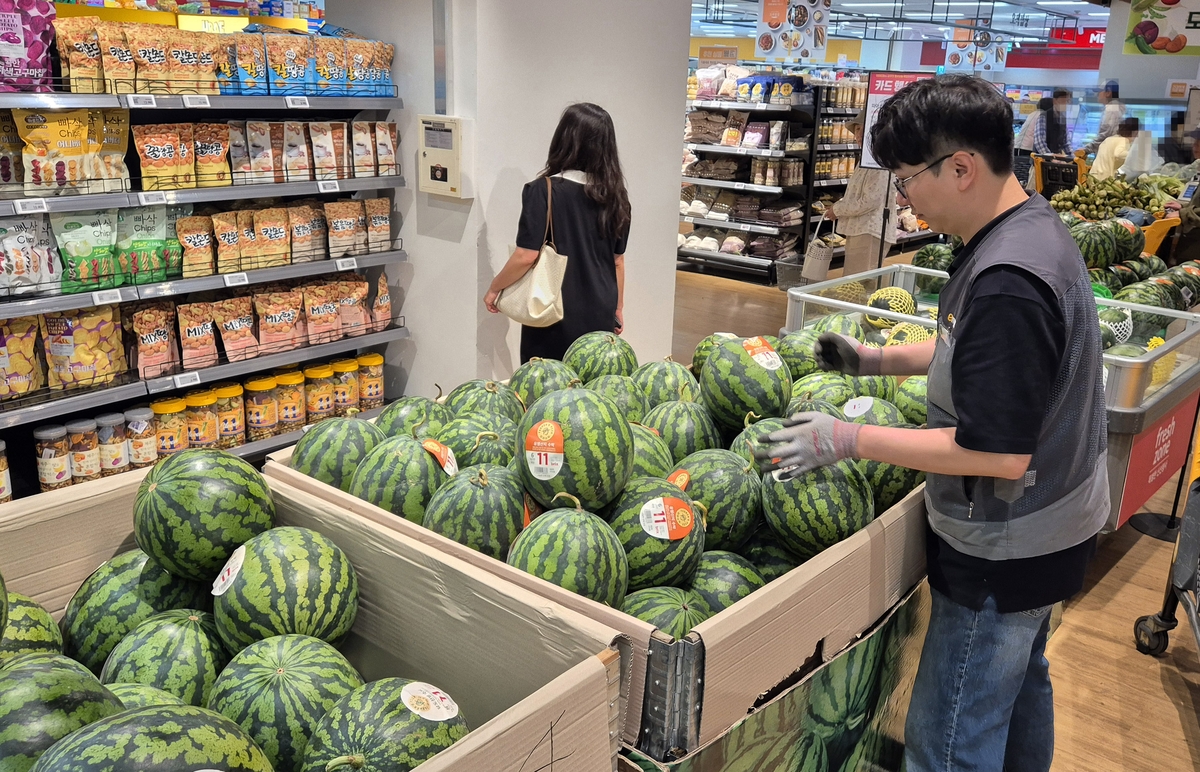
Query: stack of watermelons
(212, 645)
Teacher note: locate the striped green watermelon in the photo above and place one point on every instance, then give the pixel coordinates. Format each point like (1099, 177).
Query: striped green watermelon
(3, 604)
(798, 349)
(723, 578)
(938, 257)
(389, 725)
(1129, 239)
(483, 396)
(290, 580)
(878, 386)
(480, 438)
(278, 689)
(770, 558)
(331, 450)
(869, 410)
(161, 738)
(842, 324)
(876, 750)
(45, 659)
(1096, 243)
(43, 701)
(121, 594)
(651, 456)
(1124, 274)
(575, 550)
(910, 398)
(30, 628)
(728, 489)
(1105, 278)
(833, 388)
(196, 507)
(624, 392)
(600, 353)
(889, 483)
(816, 510)
(538, 377)
(841, 696)
(804, 403)
(736, 381)
(142, 696)
(575, 441)
(660, 531)
(685, 427)
(481, 507)
(666, 381)
(418, 417)
(705, 347)
(670, 609)
(747, 442)
(399, 475)
(176, 651)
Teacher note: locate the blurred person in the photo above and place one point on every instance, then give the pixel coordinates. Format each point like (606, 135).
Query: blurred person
(1113, 151)
(1188, 245)
(1023, 145)
(1110, 119)
(866, 215)
(1176, 148)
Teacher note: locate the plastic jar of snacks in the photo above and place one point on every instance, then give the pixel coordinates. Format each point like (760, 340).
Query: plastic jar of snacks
(370, 381)
(318, 393)
(202, 419)
(292, 409)
(85, 450)
(170, 419)
(262, 409)
(114, 450)
(231, 415)
(53, 456)
(142, 437)
(345, 386)
(5, 478)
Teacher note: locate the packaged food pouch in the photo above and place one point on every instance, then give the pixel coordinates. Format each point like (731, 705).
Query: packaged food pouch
(92, 173)
(234, 317)
(207, 46)
(212, 148)
(289, 59)
(150, 47)
(21, 369)
(341, 218)
(116, 58)
(300, 222)
(50, 282)
(55, 150)
(386, 163)
(239, 153)
(25, 51)
(196, 236)
(363, 148)
(320, 231)
(110, 163)
(341, 149)
(157, 145)
(251, 63)
(360, 227)
(322, 313)
(297, 163)
(381, 68)
(86, 242)
(77, 36)
(325, 163)
(360, 58)
(280, 174)
(278, 315)
(183, 61)
(185, 155)
(225, 63)
(11, 168)
(274, 244)
(227, 237)
(197, 337)
(379, 224)
(153, 329)
(83, 346)
(248, 244)
(141, 239)
(173, 250)
(20, 268)
(353, 309)
(381, 305)
(258, 141)
(329, 55)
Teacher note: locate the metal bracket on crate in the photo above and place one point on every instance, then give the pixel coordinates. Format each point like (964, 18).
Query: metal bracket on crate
(671, 709)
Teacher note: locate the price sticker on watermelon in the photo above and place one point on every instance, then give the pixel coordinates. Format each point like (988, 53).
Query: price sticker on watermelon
(681, 478)
(232, 568)
(444, 456)
(760, 351)
(544, 450)
(667, 518)
(428, 701)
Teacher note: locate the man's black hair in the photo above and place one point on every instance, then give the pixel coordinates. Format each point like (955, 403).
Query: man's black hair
(1113, 89)
(935, 116)
(1128, 127)
(1177, 118)
(1059, 93)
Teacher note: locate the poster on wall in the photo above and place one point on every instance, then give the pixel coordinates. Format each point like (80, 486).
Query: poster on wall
(881, 86)
(1163, 27)
(790, 30)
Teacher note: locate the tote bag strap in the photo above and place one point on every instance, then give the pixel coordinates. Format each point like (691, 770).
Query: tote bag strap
(548, 236)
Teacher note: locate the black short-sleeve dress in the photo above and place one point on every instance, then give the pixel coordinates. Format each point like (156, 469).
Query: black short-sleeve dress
(590, 283)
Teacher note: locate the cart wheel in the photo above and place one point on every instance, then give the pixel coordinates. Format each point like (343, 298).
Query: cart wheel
(1149, 641)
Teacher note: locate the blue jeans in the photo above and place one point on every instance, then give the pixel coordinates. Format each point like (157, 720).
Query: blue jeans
(982, 699)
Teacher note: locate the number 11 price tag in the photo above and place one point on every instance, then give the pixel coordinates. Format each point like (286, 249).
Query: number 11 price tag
(544, 450)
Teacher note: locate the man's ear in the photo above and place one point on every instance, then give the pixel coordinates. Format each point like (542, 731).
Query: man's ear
(965, 168)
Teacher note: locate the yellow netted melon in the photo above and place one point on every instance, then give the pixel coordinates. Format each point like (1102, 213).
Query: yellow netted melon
(907, 333)
(1163, 367)
(891, 299)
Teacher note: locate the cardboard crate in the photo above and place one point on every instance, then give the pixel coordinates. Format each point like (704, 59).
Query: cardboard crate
(683, 694)
(532, 678)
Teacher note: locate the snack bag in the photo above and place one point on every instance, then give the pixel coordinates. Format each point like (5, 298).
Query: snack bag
(239, 153)
(207, 48)
(55, 150)
(185, 156)
(341, 149)
(197, 337)
(141, 239)
(297, 156)
(154, 333)
(325, 162)
(381, 68)
(385, 148)
(227, 236)
(11, 167)
(21, 369)
(157, 145)
(322, 313)
(92, 180)
(110, 162)
(352, 295)
(83, 346)
(196, 237)
(289, 63)
(183, 61)
(26, 32)
(150, 46)
(280, 174)
(341, 218)
(225, 62)
(363, 148)
(50, 282)
(360, 58)
(86, 241)
(248, 244)
(278, 315)
(262, 164)
(20, 266)
(234, 317)
(360, 227)
(320, 231)
(115, 57)
(300, 222)
(379, 224)
(78, 40)
(381, 305)
(251, 62)
(274, 244)
(329, 55)
(173, 250)
(212, 147)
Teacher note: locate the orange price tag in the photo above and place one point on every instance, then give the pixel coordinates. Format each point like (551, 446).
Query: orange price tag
(443, 454)
(667, 518)
(681, 478)
(760, 351)
(544, 450)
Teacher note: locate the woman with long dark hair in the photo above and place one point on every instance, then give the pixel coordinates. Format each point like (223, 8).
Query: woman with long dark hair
(591, 216)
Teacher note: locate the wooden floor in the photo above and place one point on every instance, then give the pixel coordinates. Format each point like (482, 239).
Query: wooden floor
(1116, 709)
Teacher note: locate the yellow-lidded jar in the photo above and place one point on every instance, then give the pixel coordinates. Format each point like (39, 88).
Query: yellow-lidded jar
(170, 418)
(202, 419)
(345, 386)
(262, 409)
(290, 392)
(319, 393)
(370, 381)
(231, 415)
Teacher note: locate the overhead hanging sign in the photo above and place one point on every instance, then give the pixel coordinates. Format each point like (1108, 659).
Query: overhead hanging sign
(1161, 27)
(972, 49)
(881, 86)
(1078, 37)
(790, 30)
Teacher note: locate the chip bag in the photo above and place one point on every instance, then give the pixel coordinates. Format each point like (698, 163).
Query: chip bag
(55, 152)
(227, 236)
(234, 318)
(341, 217)
(352, 296)
(197, 336)
(322, 313)
(150, 46)
(141, 239)
(279, 314)
(363, 148)
(274, 242)
(115, 57)
(154, 331)
(20, 266)
(251, 62)
(289, 60)
(78, 40)
(297, 155)
(87, 242)
(212, 149)
(381, 305)
(173, 250)
(28, 30)
(157, 145)
(330, 71)
(83, 346)
(109, 164)
(379, 224)
(196, 236)
(11, 167)
(21, 368)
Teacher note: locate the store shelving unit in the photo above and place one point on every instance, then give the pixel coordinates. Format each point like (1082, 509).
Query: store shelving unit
(731, 185)
(66, 101)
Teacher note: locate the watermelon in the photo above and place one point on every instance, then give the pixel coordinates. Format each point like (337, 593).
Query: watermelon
(1127, 350)
(685, 427)
(399, 475)
(771, 559)
(142, 696)
(43, 701)
(538, 377)
(417, 417)
(1108, 338)
(45, 659)
(816, 510)
(724, 578)
(673, 610)
(657, 525)
(160, 738)
(651, 456)
(935, 256)
(889, 483)
(389, 725)
(666, 381)
(481, 507)
(908, 333)
(1096, 244)
(118, 596)
(176, 651)
(736, 381)
(1128, 238)
(279, 688)
(804, 403)
(331, 450)
(833, 388)
(728, 489)
(749, 440)
(869, 410)
(3, 604)
(1125, 275)
(1105, 277)
(482, 396)
(1154, 263)
(625, 393)
(841, 695)
(291, 580)
(842, 324)
(575, 441)
(705, 347)
(575, 550)
(798, 349)
(878, 386)
(196, 507)
(910, 398)
(30, 628)
(600, 353)
(480, 438)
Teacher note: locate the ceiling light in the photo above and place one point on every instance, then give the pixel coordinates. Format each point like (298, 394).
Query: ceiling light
(1099, 14)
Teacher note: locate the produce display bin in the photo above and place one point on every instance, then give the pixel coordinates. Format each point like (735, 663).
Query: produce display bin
(681, 694)
(532, 678)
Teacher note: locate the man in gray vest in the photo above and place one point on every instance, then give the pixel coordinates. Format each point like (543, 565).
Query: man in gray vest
(1017, 486)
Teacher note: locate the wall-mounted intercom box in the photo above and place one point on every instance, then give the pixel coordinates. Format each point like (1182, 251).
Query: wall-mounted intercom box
(444, 156)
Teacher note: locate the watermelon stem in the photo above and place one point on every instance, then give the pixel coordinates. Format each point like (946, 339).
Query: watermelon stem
(354, 762)
(564, 494)
(439, 395)
(746, 423)
(479, 438)
(481, 475)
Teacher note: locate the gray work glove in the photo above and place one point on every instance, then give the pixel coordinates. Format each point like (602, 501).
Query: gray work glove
(844, 354)
(809, 440)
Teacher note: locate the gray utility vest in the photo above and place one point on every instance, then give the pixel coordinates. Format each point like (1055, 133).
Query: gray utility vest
(1063, 498)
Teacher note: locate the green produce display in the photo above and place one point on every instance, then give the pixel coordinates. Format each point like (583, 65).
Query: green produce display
(673, 610)
(937, 257)
(684, 427)
(651, 456)
(416, 417)
(771, 559)
(818, 509)
(481, 507)
(841, 324)
(804, 403)
(744, 376)
(665, 381)
(724, 578)
(399, 475)
(833, 388)
(177, 651)
(749, 440)
(1096, 243)
(625, 393)
(331, 450)
(538, 377)
(728, 489)
(798, 351)
(869, 410)
(1099, 199)
(658, 527)
(600, 353)
(480, 438)
(482, 396)
(877, 386)
(30, 628)
(705, 347)
(910, 398)
(141, 696)
(1130, 239)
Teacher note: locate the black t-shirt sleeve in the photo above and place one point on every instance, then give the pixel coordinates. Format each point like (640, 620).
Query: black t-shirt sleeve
(532, 228)
(622, 242)
(1009, 345)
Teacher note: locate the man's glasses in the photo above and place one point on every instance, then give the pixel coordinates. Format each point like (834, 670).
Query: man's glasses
(901, 184)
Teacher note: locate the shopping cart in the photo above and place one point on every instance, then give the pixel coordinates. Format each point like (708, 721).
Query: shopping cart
(1151, 632)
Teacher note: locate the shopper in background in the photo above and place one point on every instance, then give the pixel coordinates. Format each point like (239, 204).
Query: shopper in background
(1050, 134)
(1113, 151)
(1015, 448)
(1023, 144)
(1110, 119)
(591, 227)
(1175, 147)
(866, 215)
(1188, 245)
